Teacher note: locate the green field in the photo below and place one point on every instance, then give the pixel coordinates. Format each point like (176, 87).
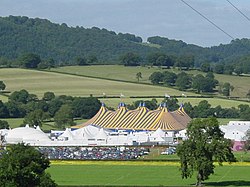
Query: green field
(125, 173)
(118, 72)
(155, 154)
(224, 103)
(39, 82)
(46, 126)
(3, 98)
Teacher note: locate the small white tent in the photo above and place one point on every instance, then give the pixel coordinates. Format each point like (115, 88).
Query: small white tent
(101, 136)
(159, 132)
(157, 136)
(66, 135)
(88, 132)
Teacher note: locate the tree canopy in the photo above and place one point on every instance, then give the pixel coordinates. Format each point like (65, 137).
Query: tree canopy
(20, 35)
(130, 59)
(22, 165)
(205, 144)
(30, 60)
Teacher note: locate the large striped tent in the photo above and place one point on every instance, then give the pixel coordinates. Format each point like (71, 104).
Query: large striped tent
(139, 119)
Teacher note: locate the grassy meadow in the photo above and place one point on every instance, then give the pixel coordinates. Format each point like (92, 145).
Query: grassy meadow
(39, 82)
(116, 72)
(119, 72)
(225, 103)
(3, 98)
(46, 126)
(134, 173)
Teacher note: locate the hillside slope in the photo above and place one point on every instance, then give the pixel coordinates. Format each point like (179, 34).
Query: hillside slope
(19, 35)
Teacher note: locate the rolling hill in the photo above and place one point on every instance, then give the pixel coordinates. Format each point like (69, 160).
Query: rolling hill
(19, 35)
(120, 73)
(39, 82)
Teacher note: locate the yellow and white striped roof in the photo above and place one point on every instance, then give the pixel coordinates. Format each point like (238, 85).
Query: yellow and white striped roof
(139, 119)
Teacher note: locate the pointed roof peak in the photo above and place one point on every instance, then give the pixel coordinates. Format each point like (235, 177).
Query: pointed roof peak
(140, 104)
(121, 104)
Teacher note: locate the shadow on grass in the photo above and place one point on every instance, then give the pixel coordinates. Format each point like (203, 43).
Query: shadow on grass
(228, 183)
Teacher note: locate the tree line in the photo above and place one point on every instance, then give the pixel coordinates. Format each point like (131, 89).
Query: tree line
(202, 110)
(62, 109)
(184, 81)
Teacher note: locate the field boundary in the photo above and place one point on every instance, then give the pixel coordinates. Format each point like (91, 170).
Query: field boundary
(135, 162)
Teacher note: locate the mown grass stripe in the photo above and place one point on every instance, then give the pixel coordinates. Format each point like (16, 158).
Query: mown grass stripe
(131, 163)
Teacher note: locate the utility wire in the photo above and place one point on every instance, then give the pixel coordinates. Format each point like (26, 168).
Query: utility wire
(238, 10)
(208, 19)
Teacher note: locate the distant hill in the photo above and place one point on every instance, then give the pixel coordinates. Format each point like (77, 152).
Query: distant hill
(19, 35)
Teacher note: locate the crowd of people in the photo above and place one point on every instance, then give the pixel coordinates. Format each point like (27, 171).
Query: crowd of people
(93, 153)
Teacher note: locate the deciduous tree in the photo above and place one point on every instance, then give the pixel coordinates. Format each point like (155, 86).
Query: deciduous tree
(131, 59)
(156, 77)
(48, 96)
(138, 76)
(4, 124)
(205, 144)
(22, 165)
(169, 78)
(183, 81)
(30, 60)
(64, 116)
(36, 117)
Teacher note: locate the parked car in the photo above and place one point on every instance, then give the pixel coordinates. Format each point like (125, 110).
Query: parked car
(169, 151)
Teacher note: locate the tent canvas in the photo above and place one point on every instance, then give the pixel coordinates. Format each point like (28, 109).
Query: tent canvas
(66, 135)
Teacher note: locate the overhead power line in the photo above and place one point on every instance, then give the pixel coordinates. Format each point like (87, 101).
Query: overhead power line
(238, 10)
(207, 19)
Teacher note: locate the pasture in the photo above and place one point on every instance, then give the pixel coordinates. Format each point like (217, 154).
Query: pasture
(119, 72)
(135, 173)
(39, 82)
(46, 126)
(3, 98)
(116, 72)
(224, 103)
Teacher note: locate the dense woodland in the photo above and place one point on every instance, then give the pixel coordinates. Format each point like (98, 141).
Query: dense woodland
(60, 44)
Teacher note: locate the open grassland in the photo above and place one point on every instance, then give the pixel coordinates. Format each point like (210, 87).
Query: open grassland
(16, 122)
(46, 126)
(225, 121)
(224, 103)
(39, 82)
(241, 83)
(155, 154)
(129, 173)
(117, 72)
(3, 98)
